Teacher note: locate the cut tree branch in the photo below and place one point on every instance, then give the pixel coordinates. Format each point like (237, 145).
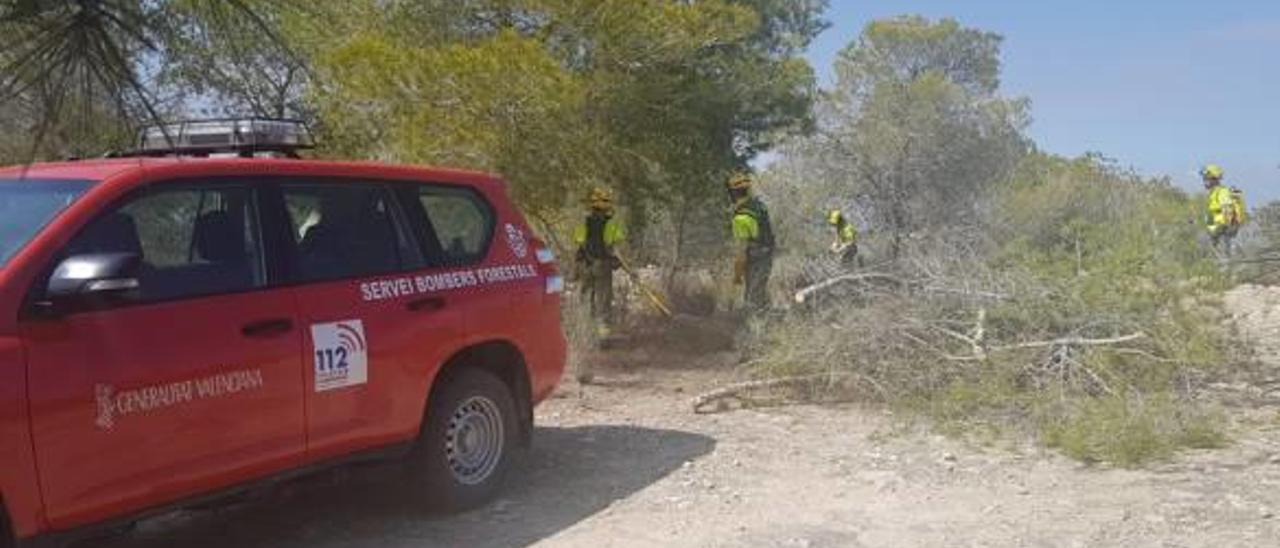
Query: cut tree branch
(736, 391)
(1070, 341)
(803, 294)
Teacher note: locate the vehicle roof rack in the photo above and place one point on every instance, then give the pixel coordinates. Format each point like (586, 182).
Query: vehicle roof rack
(242, 137)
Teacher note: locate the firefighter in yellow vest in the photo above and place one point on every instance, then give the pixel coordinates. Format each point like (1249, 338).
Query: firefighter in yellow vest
(753, 232)
(597, 239)
(845, 244)
(1224, 212)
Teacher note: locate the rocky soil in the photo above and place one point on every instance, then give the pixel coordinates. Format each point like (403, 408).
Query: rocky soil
(624, 462)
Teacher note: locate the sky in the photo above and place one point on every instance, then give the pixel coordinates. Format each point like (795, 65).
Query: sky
(1162, 86)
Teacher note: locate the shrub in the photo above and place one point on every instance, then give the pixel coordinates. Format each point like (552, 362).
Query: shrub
(1128, 432)
(1078, 315)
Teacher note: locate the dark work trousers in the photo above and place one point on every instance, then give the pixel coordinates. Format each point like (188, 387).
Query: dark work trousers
(849, 258)
(598, 284)
(759, 266)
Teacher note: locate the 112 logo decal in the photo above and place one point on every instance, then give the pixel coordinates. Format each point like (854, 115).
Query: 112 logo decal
(341, 354)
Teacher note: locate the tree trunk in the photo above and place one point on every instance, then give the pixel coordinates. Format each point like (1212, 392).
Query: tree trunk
(682, 225)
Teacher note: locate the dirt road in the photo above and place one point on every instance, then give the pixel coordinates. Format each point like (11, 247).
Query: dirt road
(626, 463)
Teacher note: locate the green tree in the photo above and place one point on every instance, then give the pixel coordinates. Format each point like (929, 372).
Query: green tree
(236, 66)
(904, 49)
(688, 94)
(658, 99)
(915, 127)
(457, 105)
(71, 65)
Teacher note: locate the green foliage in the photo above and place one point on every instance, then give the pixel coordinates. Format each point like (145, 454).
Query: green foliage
(905, 49)
(1259, 241)
(1084, 207)
(657, 99)
(979, 335)
(26, 136)
(1117, 253)
(787, 26)
(915, 131)
(237, 66)
(81, 67)
(1110, 245)
(1128, 433)
(456, 105)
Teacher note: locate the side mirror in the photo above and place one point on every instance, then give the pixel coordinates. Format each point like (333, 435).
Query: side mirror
(83, 281)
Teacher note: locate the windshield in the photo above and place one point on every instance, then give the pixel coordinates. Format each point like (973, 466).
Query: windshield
(27, 205)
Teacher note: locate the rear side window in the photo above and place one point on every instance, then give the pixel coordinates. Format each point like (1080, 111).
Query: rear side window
(193, 241)
(347, 231)
(461, 223)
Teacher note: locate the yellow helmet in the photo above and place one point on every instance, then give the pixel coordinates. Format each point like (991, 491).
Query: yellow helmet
(600, 198)
(1211, 171)
(740, 181)
(834, 216)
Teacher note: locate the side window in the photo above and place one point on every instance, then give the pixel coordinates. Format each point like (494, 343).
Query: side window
(193, 241)
(461, 221)
(347, 231)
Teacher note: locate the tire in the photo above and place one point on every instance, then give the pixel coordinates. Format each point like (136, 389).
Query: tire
(7, 538)
(467, 443)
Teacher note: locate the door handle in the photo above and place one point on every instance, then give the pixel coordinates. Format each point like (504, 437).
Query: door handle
(426, 304)
(267, 328)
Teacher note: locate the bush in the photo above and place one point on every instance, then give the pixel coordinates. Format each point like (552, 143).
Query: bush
(1128, 432)
(1079, 315)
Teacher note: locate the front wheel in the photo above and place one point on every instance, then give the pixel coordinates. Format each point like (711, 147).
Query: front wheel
(467, 442)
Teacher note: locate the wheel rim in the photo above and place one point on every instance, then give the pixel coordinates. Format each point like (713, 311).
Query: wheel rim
(474, 440)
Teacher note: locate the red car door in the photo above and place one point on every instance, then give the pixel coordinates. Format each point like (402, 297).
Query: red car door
(193, 383)
(367, 330)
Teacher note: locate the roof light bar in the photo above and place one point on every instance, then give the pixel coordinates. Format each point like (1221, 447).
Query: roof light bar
(243, 136)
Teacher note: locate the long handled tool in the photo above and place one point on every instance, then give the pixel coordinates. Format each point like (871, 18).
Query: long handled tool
(653, 296)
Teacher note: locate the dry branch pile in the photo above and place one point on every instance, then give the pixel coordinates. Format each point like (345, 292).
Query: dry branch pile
(950, 332)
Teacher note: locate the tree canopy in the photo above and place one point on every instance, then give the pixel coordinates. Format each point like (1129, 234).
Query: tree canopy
(76, 73)
(915, 129)
(658, 99)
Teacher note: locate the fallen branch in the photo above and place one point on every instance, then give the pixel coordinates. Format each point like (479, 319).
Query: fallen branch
(802, 295)
(736, 391)
(974, 342)
(1070, 341)
(941, 353)
(1254, 260)
(967, 293)
(980, 352)
(1066, 370)
(1096, 379)
(1144, 354)
(957, 336)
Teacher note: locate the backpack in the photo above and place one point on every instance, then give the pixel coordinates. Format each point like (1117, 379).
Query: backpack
(1239, 212)
(595, 247)
(756, 209)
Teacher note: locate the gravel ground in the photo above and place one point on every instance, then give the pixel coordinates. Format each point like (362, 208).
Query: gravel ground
(626, 463)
